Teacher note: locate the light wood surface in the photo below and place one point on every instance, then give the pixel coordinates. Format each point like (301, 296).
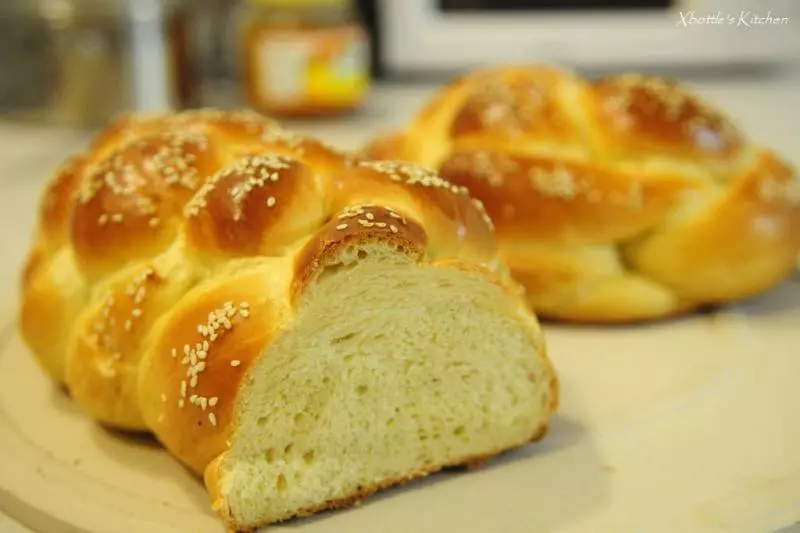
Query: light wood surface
(684, 426)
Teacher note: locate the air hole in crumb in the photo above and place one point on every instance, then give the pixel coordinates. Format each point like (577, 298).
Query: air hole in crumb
(262, 421)
(343, 338)
(459, 431)
(390, 422)
(281, 484)
(288, 449)
(362, 254)
(298, 418)
(296, 477)
(269, 455)
(326, 380)
(361, 390)
(407, 366)
(349, 357)
(308, 457)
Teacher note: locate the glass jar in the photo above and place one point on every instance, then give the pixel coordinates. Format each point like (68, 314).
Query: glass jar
(303, 57)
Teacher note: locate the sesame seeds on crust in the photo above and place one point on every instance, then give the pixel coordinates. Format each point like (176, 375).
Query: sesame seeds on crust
(415, 175)
(169, 156)
(662, 107)
(197, 356)
(121, 310)
(258, 171)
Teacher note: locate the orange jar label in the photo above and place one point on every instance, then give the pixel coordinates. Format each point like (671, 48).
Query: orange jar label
(311, 68)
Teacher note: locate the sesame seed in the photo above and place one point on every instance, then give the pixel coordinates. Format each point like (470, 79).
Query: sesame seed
(136, 312)
(181, 403)
(154, 222)
(370, 216)
(219, 320)
(102, 219)
(256, 172)
(212, 418)
(341, 226)
(128, 325)
(393, 228)
(557, 182)
(380, 224)
(236, 362)
(213, 401)
(116, 217)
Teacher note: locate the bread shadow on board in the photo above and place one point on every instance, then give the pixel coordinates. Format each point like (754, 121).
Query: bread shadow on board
(783, 299)
(548, 485)
(126, 448)
(134, 450)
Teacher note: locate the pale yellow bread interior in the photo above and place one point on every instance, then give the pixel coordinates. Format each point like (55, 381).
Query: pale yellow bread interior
(387, 372)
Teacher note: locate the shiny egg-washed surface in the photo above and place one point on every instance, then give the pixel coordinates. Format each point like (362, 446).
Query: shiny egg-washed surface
(158, 203)
(621, 199)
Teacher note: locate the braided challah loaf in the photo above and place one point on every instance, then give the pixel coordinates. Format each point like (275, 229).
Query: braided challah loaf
(621, 199)
(300, 326)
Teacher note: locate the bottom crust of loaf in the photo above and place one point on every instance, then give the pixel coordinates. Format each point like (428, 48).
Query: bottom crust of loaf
(473, 462)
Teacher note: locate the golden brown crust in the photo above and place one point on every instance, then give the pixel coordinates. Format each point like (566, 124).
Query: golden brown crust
(191, 374)
(615, 200)
(129, 204)
(258, 205)
(659, 115)
(755, 225)
(456, 224)
(338, 243)
(575, 201)
(52, 296)
(508, 104)
(102, 365)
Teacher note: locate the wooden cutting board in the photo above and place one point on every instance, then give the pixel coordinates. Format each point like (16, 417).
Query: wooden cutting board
(684, 426)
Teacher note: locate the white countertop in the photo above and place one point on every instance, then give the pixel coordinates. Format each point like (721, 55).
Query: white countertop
(768, 110)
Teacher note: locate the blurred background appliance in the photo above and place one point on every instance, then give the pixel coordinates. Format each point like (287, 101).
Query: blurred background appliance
(435, 36)
(78, 62)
